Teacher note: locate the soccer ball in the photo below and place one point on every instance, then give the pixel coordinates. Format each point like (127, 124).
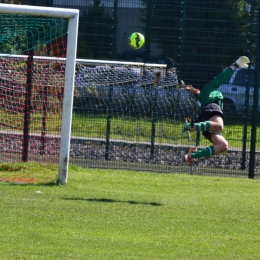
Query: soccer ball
(136, 40)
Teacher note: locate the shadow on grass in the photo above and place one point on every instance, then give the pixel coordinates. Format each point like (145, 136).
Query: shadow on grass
(104, 200)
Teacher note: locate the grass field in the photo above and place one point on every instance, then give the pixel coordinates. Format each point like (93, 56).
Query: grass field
(107, 214)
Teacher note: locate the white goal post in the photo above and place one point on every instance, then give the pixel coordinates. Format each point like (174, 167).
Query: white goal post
(72, 15)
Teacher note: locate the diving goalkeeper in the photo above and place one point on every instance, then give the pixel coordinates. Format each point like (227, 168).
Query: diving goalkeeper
(211, 118)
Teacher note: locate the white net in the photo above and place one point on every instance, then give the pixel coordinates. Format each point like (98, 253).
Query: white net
(130, 88)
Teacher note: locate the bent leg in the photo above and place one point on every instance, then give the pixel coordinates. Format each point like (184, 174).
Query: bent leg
(220, 146)
(216, 123)
(220, 143)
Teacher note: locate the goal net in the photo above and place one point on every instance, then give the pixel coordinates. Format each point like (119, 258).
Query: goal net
(37, 67)
(121, 117)
(130, 88)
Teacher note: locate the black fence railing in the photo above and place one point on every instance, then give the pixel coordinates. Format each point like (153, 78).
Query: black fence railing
(136, 126)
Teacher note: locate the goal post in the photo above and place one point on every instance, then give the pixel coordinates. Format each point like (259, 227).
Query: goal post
(37, 31)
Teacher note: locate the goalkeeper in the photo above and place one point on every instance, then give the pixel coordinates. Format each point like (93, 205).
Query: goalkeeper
(211, 118)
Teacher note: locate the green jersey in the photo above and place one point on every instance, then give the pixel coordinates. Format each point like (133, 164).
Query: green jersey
(210, 94)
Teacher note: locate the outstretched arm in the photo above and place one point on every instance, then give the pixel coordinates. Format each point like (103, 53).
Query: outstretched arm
(241, 62)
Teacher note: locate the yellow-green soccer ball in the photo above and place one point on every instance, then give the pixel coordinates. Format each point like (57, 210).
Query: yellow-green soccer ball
(136, 40)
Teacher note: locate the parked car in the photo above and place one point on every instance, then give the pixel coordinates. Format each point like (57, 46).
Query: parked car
(234, 92)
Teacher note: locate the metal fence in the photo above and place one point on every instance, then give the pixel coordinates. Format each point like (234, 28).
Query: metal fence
(122, 120)
(199, 38)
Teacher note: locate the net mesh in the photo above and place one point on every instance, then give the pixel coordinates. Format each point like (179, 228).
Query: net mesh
(21, 33)
(131, 88)
(123, 119)
(45, 107)
(48, 76)
(31, 86)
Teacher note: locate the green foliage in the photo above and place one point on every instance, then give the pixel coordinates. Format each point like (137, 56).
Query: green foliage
(107, 214)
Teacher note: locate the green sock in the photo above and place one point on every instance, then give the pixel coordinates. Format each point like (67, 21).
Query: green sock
(197, 126)
(202, 126)
(207, 125)
(208, 151)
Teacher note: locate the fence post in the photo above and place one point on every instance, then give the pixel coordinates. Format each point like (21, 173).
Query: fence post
(109, 117)
(154, 121)
(248, 84)
(28, 101)
(149, 14)
(251, 172)
(182, 37)
(115, 25)
(44, 93)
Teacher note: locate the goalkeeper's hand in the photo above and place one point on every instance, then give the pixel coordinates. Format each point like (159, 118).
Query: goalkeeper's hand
(242, 62)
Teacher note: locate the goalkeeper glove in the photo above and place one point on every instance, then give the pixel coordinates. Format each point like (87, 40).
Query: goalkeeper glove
(242, 62)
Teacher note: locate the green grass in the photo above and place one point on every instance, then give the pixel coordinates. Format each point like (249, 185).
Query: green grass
(14, 122)
(123, 127)
(32, 173)
(108, 214)
(140, 129)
